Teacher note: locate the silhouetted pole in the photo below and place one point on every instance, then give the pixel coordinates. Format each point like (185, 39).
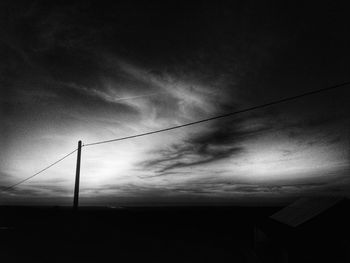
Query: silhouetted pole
(77, 177)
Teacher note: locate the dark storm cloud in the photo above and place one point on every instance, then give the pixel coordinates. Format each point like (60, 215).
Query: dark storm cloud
(205, 156)
(223, 140)
(226, 137)
(226, 132)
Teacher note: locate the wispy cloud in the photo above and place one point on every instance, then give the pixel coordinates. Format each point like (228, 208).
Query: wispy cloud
(68, 78)
(224, 139)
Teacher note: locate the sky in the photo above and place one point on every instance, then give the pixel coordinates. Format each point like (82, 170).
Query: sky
(94, 71)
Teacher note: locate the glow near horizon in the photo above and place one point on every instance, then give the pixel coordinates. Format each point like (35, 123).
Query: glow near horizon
(115, 163)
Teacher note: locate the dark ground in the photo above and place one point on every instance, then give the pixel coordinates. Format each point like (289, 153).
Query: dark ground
(173, 234)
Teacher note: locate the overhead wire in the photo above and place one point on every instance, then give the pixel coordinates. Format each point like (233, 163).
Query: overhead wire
(181, 126)
(37, 173)
(223, 115)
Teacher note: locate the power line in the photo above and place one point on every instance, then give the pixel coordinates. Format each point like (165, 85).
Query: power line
(181, 126)
(37, 173)
(224, 115)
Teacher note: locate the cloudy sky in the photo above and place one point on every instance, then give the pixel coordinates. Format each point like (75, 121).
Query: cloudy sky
(92, 71)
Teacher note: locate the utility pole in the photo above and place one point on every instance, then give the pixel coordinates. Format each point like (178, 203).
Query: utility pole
(77, 177)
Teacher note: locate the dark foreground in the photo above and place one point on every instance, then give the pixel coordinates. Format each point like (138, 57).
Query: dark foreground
(175, 234)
